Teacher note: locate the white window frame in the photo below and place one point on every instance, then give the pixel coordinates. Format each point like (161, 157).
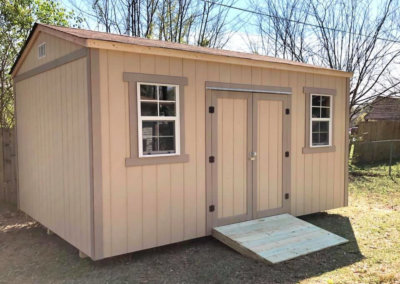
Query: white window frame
(45, 51)
(321, 119)
(175, 118)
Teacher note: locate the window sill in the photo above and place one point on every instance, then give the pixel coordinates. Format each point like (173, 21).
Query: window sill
(132, 162)
(327, 149)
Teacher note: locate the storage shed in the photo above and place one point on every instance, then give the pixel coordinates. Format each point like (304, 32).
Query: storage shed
(127, 143)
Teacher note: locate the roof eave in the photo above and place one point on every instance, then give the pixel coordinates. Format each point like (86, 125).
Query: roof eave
(174, 52)
(35, 25)
(165, 51)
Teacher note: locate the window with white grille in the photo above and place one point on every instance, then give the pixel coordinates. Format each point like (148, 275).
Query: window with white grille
(321, 120)
(158, 119)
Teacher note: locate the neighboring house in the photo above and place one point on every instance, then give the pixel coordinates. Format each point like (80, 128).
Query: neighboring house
(384, 108)
(128, 143)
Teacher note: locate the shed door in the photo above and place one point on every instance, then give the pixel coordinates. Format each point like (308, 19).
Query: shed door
(249, 172)
(271, 167)
(232, 170)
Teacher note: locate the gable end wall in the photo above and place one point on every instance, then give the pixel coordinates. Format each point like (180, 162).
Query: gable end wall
(52, 110)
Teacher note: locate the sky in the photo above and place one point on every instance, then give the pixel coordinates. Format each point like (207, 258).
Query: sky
(238, 38)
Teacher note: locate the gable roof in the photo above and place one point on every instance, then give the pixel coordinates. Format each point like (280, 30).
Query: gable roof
(384, 108)
(93, 39)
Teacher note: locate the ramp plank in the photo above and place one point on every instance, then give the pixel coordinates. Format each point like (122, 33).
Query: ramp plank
(277, 238)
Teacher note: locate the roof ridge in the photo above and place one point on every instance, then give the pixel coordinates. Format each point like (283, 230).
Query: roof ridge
(90, 35)
(56, 27)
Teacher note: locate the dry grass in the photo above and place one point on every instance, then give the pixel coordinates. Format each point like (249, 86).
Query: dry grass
(374, 213)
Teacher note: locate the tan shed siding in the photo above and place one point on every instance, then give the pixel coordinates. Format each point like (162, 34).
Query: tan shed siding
(147, 206)
(55, 48)
(317, 179)
(53, 151)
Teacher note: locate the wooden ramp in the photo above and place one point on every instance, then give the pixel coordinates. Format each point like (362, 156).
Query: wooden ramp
(277, 238)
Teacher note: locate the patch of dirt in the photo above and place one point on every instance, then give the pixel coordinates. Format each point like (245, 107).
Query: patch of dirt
(29, 255)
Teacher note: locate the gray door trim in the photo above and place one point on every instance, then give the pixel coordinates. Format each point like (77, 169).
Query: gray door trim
(249, 91)
(234, 87)
(211, 139)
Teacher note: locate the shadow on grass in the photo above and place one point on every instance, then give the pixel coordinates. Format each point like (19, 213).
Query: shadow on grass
(206, 259)
(374, 168)
(49, 258)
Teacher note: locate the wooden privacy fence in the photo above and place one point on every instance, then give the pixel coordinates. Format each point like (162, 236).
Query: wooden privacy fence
(8, 169)
(384, 131)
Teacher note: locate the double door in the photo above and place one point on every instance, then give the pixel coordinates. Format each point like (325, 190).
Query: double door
(250, 169)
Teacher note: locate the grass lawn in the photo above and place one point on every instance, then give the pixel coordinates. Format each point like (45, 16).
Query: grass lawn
(371, 223)
(374, 213)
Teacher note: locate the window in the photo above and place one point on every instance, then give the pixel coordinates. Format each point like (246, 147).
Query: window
(321, 120)
(42, 50)
(158, 119)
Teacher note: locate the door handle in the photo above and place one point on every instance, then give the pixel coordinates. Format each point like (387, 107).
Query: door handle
(252, 156)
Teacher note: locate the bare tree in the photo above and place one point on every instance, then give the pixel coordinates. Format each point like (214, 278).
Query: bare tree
(175, 20)
(136, 17)
(212, 25)
(102, 9)
(200, 22)
(349, 35)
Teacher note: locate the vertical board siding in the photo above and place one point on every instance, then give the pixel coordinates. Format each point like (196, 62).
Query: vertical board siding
(201, 75)
(163, 181)
(190, 169)
(117, 149)
(240, 157)
(232, 156)
(308, 161)
(53, 151)
(177, 179)
(263, 161)
(133, 174)
(226, 154)
(55, 48)
(147, 206)
(269, 161)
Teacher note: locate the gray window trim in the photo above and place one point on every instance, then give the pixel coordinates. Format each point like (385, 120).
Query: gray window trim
(308, 91)
(133, 79)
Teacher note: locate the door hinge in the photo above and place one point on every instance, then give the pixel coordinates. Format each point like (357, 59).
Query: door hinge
(286, 195)
(211, 208)
(211, 159)
(211, 109)
(287, 154)
(287, 111)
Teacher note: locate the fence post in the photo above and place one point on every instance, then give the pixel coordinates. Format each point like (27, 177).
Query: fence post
(390, 159)
(2, 182)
